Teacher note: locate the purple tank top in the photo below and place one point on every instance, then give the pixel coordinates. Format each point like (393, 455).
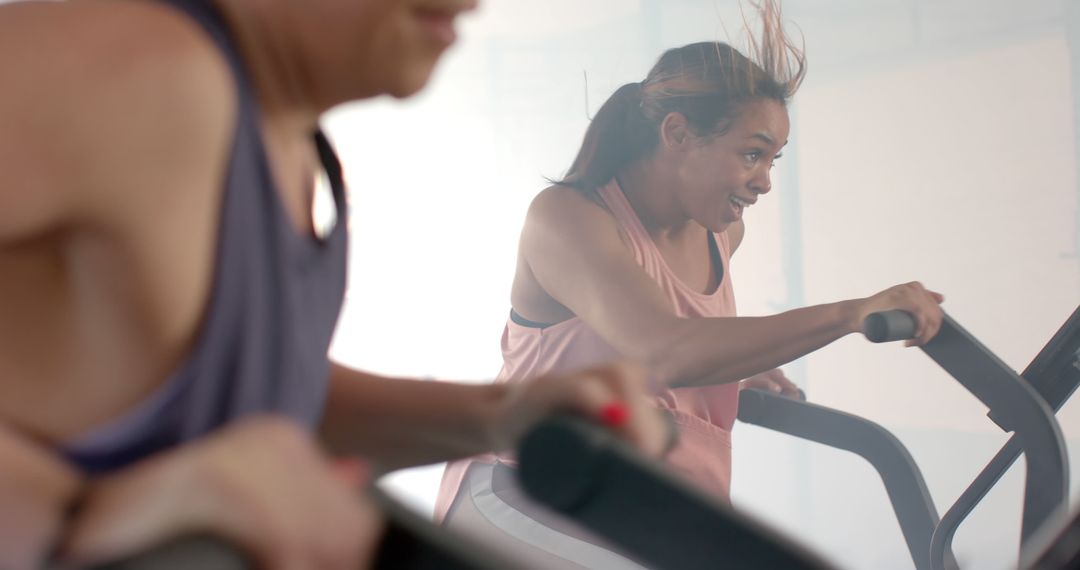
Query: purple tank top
(274, 303)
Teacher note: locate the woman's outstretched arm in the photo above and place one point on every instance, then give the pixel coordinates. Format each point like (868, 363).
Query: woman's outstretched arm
(573, 248)
(400, 422)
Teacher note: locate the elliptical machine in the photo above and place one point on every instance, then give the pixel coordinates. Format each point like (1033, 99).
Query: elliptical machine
(1022, 404)
(586, 473)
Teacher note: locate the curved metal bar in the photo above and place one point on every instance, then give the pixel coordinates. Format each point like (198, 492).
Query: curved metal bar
(1016, 406)
(903, 481)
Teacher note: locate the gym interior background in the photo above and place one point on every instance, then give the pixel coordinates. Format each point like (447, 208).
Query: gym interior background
(933, 140)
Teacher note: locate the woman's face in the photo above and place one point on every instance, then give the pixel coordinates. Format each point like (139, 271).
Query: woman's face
(385, 46)
(718, 177)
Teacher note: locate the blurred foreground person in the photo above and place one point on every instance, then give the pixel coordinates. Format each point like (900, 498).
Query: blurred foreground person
(166, 302)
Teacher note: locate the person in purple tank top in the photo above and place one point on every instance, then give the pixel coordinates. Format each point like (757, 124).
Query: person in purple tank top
(166, 304)
(628, 257)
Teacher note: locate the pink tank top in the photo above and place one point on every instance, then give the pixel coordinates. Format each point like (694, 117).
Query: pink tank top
(704, 416)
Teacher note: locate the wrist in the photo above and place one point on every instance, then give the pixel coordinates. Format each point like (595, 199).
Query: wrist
(497, 409)
(37, 472)
(125, 512)
(851, 315)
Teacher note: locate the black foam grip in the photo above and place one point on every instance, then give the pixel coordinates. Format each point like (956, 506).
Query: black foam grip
(888, 326)
(202, 552)
(651, 514)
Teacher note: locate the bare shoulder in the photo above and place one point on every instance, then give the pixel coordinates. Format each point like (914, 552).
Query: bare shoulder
(562, 210)
(564, 220)
(558, 197)
(109, 65)
(109, 92)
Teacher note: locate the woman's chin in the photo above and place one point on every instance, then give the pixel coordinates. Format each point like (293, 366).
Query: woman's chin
(410, 79)
(717, 226)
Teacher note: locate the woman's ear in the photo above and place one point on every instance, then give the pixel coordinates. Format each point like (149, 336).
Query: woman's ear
(674, 130)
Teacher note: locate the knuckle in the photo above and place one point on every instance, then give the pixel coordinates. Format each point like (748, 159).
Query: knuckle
(280, 433)
(353, 544)
(343, 547)
(328, 552)
(281, 543)
(276, 426)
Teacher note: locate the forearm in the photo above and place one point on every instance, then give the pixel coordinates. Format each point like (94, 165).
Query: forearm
(400, 423)
(708, 351)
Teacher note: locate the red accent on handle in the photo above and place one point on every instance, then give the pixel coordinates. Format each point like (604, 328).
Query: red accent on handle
(614, 415)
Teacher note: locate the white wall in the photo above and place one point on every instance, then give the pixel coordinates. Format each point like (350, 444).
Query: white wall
(952, 162)
(957, 171)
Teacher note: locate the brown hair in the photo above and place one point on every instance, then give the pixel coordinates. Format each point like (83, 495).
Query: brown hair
(706, 82)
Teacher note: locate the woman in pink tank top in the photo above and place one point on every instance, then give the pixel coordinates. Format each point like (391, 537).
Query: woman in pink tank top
(629, 257)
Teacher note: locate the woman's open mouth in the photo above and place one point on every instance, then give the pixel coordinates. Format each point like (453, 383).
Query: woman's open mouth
(437, 20)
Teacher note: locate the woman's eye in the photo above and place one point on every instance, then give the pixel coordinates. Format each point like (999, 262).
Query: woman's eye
(752, 156)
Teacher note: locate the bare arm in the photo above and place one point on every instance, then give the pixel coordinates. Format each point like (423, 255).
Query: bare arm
(408, 422)
(101, 110)
(573, 248)
(400, 422)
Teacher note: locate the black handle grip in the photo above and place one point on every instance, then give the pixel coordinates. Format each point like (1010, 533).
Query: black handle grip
(203, 551)
(556, 482)
(887, 326)
(409, 542)
(651, 514)
(566, 484)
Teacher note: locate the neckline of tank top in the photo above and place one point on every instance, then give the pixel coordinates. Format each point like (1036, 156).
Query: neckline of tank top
(714, 252)
(308, 242)
(613, 190)
(105, 434)
(211, 23)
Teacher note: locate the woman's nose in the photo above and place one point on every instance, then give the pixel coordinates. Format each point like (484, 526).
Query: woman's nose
(762, 183)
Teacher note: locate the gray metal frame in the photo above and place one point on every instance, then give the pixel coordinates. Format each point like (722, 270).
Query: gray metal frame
(1017, 404)
(1017, 407)
(904, 483)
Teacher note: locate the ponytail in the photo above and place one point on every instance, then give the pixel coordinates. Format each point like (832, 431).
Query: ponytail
(618, 135)
(706, 82)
